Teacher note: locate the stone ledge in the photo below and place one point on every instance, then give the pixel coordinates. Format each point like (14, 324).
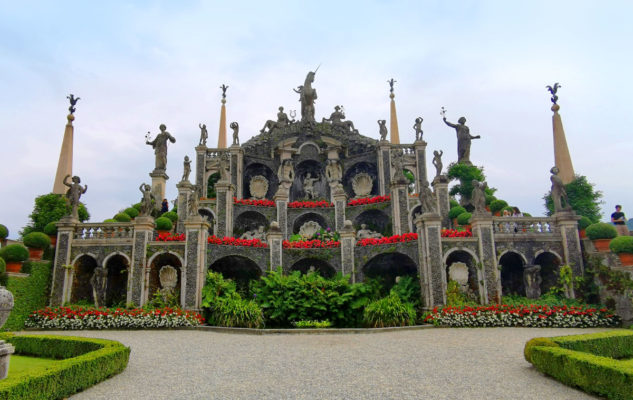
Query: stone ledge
(327, 331)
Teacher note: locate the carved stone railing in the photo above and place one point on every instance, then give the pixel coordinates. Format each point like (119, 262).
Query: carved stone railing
(107, 230)
(407, 149)
(214, 153)
(523, 225)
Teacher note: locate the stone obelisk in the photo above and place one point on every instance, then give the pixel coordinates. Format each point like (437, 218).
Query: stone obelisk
(65, 163)
(222, 130)
(393, 120)
(562, 159)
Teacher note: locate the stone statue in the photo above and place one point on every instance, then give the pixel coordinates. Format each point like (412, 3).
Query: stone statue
(258, 187)
(463, 140)
(553, 89)
(236, 131)
(333, 171)
(391, 82)
(203, 134)
(99, 280)
(282, 121)
(437, 162)
(307, 96)
(286, 171)
(478, 197)
(427, 198)
(146, 200)
(186, 169)
(255, 234)
(559, 194)
(225, 168)
(398, 166)
(193, 203)
(308, 185)
(73, 102)
(224, 87)
(532, 281)
(364, 233)
(418, 128)
(362, 184)
(160, 147)
(75, 190)
(336, 119)
(382, 129)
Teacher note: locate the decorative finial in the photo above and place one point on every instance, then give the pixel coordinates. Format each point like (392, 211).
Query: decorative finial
(391, 82)
(73, 101)
(553, 89)
(224, 87)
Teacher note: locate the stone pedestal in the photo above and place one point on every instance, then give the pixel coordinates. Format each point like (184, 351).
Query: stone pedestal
(143, 234)
(420, 161)
(400, 207)
(224, 203)
(62, 270)
(274, 237)
(6, 349)
(281, 201)
(201, 156)
(488, 274)
(348, 242)
(237, 160)
(384, 167)
(431, 262)
(440, 189)
(339, 198)
(185, 188)
(567, 225)
(159, 181)
(196, 232)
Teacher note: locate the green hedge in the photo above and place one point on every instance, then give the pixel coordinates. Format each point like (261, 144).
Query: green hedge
(621, 244)
(464, 218)
(601, 230)
(163, 224)
(51, 228)
(29, 294)
(587, 361)
(122, 217)
(14, 252)
(456, 211)
(85, 362)
(132, 212)
(497, 205)
(37, 240)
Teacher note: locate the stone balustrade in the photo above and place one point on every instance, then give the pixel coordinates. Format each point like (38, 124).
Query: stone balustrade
(407, 149)
(108, 230)
(523, 225)
(215, 153)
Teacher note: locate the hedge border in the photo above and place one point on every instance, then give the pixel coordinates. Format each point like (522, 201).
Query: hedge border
(84, 363)
(29, 293)
(587, 361)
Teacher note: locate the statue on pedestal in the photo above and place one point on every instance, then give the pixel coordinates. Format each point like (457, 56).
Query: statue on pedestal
(418, 128)
(463, 140)
(478, 197)
(559, 194)
(282, 121)
(382, 124)
(307, 96)
(336, 119)
(236, 130)
(186, 169)
(532, 281)
(427, 198)
(286, 172)
(98, 280)
(364, 233)
(225, 168)
(73, 101)
(333, 171)
(437, 162)
(398, 166)
(308, 185)
(159, 144)
(194, 199)
(204, 135)
(75, 190)
(146, 200)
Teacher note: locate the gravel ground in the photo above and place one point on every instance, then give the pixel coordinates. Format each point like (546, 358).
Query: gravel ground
(415, 364)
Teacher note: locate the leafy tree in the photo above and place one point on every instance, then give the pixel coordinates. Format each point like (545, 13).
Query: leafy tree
(409, 175)
(465, 174)
(51, 208)
(583, 198)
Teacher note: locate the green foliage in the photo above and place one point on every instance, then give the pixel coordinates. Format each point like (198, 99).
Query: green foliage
(29, 294)
(408, 289)
(389, 311)
(213, 179)
(527, 214)
(3, 266)
(584, 222)
(539, 341)
(138, 206)
(85, 362)
(132, 212)
(489, 199)
(464, 218)
(547, 299)
(160, 300)
(14, 253)
(454, 295)
(37, 240)
(223, 306)
(51, 208)
(4, 232)
(51, 228)
(465, 174)
(122, 217)
(295, 238)
(622, 244)
(601, 230)
(163, 224)
(510, 209)
(497, 205)
(454, 212)
(4, 278)
(583, 198)
(109, 220)
(172, 215)
(452, 203)
(312, 324)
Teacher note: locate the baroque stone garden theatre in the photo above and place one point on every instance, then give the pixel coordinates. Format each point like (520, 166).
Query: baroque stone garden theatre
(308, 194)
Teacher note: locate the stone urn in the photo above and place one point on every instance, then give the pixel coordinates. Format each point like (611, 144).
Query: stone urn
(6, 349)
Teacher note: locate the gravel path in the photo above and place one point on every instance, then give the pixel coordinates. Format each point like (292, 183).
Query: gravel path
(416, 364)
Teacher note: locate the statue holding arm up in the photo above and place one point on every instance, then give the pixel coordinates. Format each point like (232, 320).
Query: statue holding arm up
(463, 140)
(75, 190)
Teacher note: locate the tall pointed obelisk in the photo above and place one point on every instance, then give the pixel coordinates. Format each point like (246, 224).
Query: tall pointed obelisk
(562, 159)
(222, 131)
(65, 163)
(393, 119)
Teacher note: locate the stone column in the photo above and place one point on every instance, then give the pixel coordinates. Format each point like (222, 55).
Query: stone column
(281, 201)
(274, 237)
(237, 162)
(143, 233)
(61, 282)
(201, 155)
(384, 167)
(340, 202)
(420, 161)
(488, 274)
(192, 274)
(440, 189)
(400, 207)
(224, 204)
(348, 243)
(159, 181)
(184, 191)
(567, 225)
(430, 260)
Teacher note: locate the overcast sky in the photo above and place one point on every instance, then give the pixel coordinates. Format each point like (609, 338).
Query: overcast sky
(136, 65)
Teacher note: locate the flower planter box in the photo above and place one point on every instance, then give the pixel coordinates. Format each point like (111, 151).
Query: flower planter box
(601, 245)
(35, 254)
(14, 266)
(164, 233)
(582, 233)
(626, 259)
(53, 240)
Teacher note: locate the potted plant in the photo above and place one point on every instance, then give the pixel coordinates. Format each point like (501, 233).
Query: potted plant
(4, 233)
(122, 217)
(497, 205)
(163, 225)
(623, 247)
(14, 255)
(132, 212)
(463, 219)
(583, 223)
(172, 215)
(601, 234)
(36, 242)
(51, 230)
(454, 212)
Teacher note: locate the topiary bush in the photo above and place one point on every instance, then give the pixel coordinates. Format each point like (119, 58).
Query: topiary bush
(29, 293)
(48, 208)
(389, 311)
(132, 212)
(601, 230)
(497, 205)
(51, 228)
(3, 273)
(452, 203)
(109, 220)
(122, 217)
(14, 253)
(4, 232)
(622, 244)
(163, 224)
(455, 211)
(464, 218)
(173, 216)
(583, 223)
(510, 209)
(37, 240)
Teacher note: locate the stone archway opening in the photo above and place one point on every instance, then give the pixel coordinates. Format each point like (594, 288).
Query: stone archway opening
(461, 267)
(257, 169)
(82, 288)
(208, 215)
(550, 264)
(306, 265)
(316, 170)
(239, 269)
(360, 167)
(211, 181)
(157, 264)
(376, 220)
(248, 221)
(512, 266)
(116, 287)
(388, 266)
(309, 216)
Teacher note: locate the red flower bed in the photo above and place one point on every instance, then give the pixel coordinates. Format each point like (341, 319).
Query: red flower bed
(258, 203)
(369, 200)
(231, 241)
(456, 233)
(311, 244)
(310, 204)
(168, 237)
(405, 237)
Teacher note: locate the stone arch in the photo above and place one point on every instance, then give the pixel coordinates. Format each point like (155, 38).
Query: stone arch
(238, 268)
(468, 257)
(304, 149)
(117, 265)
(249, 220)
(376, 220)
(314, 168)
(209, 215)
(388, 266)
(211, 178)
(324, 268)
(309, 216)
(256, 169)
(550, 263)
(116, 253)
(512, 264)
(84, 266)
(416, 209)
(357, 168)
(156, 262)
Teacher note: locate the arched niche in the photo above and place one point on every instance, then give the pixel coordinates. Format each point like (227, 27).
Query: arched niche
(511, 265)
(309, 216)
(248, 221)
(210, 217)
(550, 264)
(257, 169)
(376, 220)
(157, 262)
(356, 169)
(388, 266)
(211, 181)
(82, 289)
(240, 269)
(465, 257)
(324, 268)
(315, 169)
(116, 286)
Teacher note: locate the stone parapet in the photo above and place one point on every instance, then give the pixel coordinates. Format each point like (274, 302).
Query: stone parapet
(62, 270)
(488, 274)
(431, 262)
(196, 230)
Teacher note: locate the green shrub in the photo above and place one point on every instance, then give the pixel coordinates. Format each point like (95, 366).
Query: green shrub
(622, 244)
(163, 224)
(312, 324)
(489, 199)
(14, 253)
(48, 208)
(408, 289)
(583, 199)
(584, 222)
(464, 218)
(29, 294)
(172, 215)
(452, 203)
(132, 212)
(454, 295)
(601, 230)
(109, 220)
(539, 341)
(456, 211)
(3, 266)
(4, 278)
(465, 174)
(497, 205)
(122, 217)
(138, 206)
(4, 232)
(37, 240)
(51, 228)
(527, 214)
(509, 209)
(233, 311)
(389, 311)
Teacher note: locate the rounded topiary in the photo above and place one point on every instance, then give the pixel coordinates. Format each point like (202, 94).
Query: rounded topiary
(601, 230)
(163, 224)
(14, 253)
(489, 199)
(510, 209)
(527, 214)
(452, 203)
(109, 220)
(464, 218)
(4, 232)
(132, 212)
(173, 216)
(456, 211)
(497, 205)
(122, 217)
(37, 240)
(583, 223)
(622, 244)
(51, 229)
(137, 206)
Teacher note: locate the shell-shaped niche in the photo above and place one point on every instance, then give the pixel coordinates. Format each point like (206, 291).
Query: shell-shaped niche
(362, 184)
(168, 276)
(258, 187)
(309, 229)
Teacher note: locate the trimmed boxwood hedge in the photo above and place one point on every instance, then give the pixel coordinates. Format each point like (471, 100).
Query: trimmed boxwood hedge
(584, 222)
(621, 244)
(163, 224)
(132, 212)
(14, 252)
(85, 362)
(37, 240)
(497, 205)
(456, 211)
(122, 217)
(173, 217)
(29, 293)
(601, 230)
(464, 218)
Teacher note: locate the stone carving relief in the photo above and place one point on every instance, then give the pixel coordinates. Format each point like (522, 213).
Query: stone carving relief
(168, 277)
(362, 184)
(309, 229)
(364, 233)
(258, 187)
(532, 281)
(255, 234)
(98, 280)
(458, 272)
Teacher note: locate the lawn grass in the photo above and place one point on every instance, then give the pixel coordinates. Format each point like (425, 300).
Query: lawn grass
(20, 364)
